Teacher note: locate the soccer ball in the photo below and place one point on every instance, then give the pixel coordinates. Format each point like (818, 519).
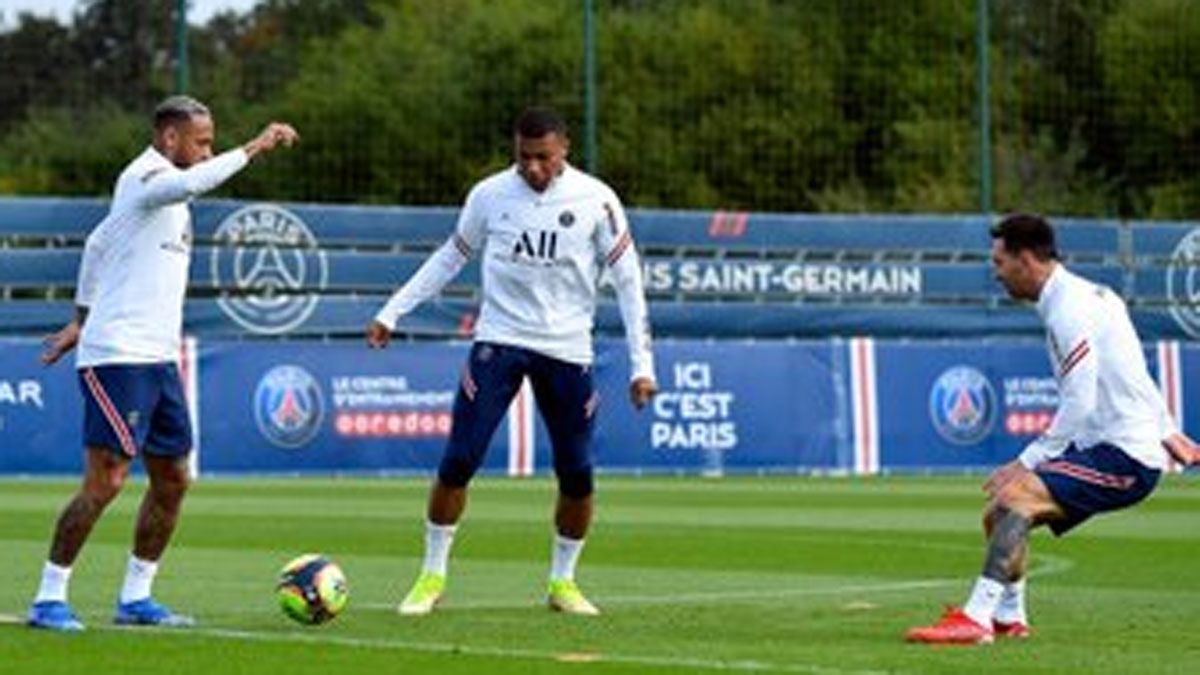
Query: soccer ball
(312, 589)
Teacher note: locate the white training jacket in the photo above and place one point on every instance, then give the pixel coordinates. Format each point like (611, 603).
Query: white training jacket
(543, 256)
(134, 272)
(1105, 392)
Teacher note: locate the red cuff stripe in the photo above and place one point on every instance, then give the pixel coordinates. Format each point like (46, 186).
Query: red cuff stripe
(463, 247)
(1075, 350)
(1073, 359)
(618, 250)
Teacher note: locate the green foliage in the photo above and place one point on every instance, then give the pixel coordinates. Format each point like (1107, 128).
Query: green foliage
(48, 155)
(734, 104)
(690, 110)
(29, 81)
(1151, 51)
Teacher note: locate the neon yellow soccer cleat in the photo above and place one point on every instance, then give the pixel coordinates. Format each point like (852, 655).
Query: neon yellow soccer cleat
(564, 596)
(424, 595)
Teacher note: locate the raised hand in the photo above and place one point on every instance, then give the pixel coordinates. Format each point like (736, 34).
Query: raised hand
(272, 135)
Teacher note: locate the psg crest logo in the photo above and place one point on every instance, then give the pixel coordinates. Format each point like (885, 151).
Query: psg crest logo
(962, 405)
(288, 407)
(1183, 283)
(268, 266)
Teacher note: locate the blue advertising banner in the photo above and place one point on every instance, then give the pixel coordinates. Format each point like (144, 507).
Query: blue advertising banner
(41, 412)
(860, 405)
(955, 404)
(283, 407)
(722, 405)
(958, 406)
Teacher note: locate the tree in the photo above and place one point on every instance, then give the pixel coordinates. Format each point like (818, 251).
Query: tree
(1151, 52)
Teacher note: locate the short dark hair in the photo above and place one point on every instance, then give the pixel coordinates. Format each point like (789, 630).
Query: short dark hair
(1026, 232)
(175, 109)
(538, 121)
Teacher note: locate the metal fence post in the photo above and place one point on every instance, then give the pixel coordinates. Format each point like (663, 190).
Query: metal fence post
(181, 51)
(984, 103)
(591, 160)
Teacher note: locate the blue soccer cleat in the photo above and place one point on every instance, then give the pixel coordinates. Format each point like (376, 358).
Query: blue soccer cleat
(147, 612)
(53, 615)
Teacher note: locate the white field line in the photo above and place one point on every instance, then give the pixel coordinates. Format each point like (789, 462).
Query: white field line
(1052, 565)
(737, 665)
(703, 597)
(1048, 565)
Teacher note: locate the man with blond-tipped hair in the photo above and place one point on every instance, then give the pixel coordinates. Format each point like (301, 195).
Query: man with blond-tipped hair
(127, 326)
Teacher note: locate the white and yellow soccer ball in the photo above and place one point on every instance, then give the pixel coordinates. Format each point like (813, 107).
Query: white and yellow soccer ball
(312, 589)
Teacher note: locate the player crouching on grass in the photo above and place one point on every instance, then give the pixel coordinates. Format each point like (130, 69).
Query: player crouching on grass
(1105, 449)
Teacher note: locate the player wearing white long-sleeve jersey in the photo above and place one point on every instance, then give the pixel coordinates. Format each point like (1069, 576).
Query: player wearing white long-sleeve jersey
(1110, 439)
(129, 315)
(546, 232)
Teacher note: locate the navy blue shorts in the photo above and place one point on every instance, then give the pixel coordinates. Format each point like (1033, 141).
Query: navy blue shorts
(493, 375)
(1094, 480)
(128, 408)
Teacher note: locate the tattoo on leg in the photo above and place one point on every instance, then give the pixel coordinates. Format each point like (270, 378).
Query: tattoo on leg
(155, 524)
(1008, 548)
(74, 525)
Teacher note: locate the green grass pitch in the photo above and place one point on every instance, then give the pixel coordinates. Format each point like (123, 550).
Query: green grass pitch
(738, 575)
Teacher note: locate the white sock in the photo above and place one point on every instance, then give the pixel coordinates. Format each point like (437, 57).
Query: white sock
(981, 607)
(1012, 604)
(139, 575)
(565, 556)
(54, 583)
(438, 539)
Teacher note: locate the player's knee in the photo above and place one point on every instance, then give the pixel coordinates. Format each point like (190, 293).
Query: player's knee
(1017, 497)
(576, 483)
(171, 489)
(456, 471)
(103, 489)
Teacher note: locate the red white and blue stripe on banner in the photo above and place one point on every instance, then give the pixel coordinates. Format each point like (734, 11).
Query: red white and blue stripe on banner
(191, 391)
(521, 428)
(1170, 383)
(864, 403)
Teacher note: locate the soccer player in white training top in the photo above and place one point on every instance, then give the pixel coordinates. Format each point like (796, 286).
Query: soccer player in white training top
(128, 323)
(546, 231)
(1105, 449)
